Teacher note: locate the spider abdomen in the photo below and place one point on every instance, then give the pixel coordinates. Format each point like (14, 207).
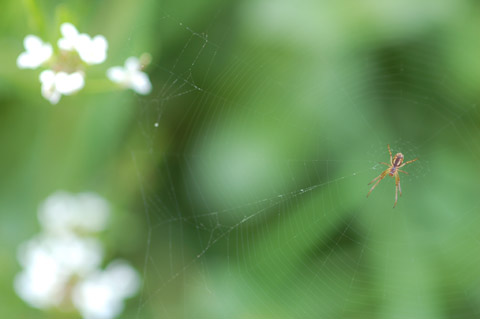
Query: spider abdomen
(396, 162)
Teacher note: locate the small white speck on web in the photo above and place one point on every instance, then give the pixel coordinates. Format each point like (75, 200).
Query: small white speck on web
(156, 124)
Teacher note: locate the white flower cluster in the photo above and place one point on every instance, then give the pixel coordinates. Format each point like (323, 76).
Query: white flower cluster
(131, 76)
(61, 264)
(65, 71)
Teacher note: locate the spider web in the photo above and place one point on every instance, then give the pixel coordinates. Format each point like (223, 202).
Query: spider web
(260, 212)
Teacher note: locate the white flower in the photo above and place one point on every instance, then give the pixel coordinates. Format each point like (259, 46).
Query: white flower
(72, 254)
(70, 35)
(49, 91)
(62, 268)
(36, 53)
(40, 283)
(131, 76)
(91, 51)
(101, 295)
(49, 262)
(63, 212)
(56, 84)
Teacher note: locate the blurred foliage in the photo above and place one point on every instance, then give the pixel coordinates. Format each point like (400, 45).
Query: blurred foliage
(247, 200)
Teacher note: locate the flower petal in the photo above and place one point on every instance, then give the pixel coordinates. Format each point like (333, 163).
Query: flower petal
(51, 94)
(116, 74)
(69, 83)
(141, 83)
(32, 43)
(123, 278)
(26, 61)
(132, 64)
(63, 213)
(68, 30)
(101, 294)
(47, 78)
(36, 53)
(70, 36)
(131, 76)
(92, 51)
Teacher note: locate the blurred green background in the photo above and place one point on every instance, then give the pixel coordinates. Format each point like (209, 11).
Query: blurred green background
(247, 200)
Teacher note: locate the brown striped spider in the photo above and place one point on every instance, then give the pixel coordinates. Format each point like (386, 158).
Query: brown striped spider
(392, 170)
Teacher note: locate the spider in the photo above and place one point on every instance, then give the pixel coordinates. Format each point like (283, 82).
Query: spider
(392, 170)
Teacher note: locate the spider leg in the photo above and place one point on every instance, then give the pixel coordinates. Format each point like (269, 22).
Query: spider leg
(402, 171)
(389, 151)
(408, 162)
(384, 163)
(379, 177)
(397, 187)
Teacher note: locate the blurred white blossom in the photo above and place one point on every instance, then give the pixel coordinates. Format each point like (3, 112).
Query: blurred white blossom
(70, 35)
(56, 84)
(63, 212)
(49, 262)
(131, 76)
(36, 53)
(61, 265)
(101, 295)
(91, 51)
